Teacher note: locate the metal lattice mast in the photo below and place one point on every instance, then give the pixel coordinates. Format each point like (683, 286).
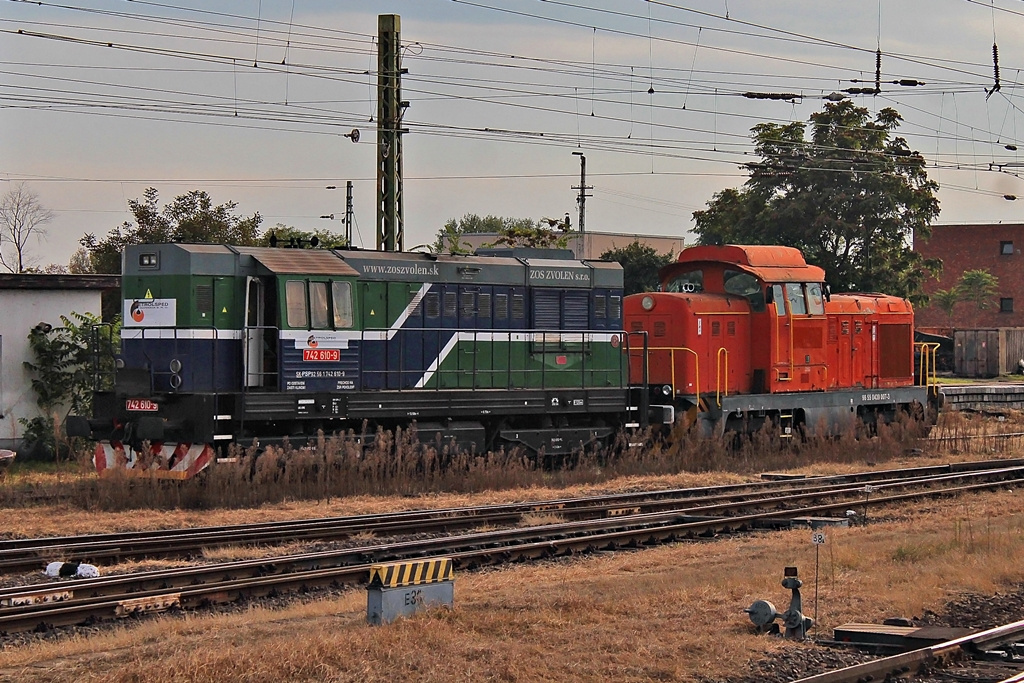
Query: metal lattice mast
(390, 220)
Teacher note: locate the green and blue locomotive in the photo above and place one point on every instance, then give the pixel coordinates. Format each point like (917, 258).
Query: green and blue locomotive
(225, 344)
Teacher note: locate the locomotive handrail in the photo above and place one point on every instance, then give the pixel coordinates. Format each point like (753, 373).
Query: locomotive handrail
(718, 378)
(99, 372)
(778, 334)
(246, 370)
(672, 362)
(645, 395)
(927, 363)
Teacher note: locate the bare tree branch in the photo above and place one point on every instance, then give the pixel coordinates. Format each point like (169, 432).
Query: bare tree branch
(21, 219)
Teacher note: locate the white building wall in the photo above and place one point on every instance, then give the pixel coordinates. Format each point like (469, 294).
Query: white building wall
(20, 311)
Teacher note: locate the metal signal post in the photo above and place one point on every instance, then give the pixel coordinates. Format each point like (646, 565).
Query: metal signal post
(581, 200)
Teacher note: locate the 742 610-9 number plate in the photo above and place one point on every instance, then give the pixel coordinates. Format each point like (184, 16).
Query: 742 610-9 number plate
(141, 405)
(330, 355)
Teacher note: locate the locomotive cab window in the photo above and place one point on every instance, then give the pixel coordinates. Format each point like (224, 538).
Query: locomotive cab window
(318, 306)
(779, 299)
(795, 296)
(689, 282)
(295, 301)
(745, 285)
(342, 294)
(815, 302)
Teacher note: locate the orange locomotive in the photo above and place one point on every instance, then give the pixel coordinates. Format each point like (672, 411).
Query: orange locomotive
(743, 335)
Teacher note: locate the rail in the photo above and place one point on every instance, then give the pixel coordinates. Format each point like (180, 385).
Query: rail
(32, 553)
(910, 662)
(118, 595)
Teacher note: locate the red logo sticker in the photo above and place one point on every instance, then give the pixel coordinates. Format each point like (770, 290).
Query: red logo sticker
(137, 313)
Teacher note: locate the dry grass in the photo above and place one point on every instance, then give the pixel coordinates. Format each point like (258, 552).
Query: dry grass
(398, 465)
(959, 437)
(540, 519)
(668, 613)
(251, 552)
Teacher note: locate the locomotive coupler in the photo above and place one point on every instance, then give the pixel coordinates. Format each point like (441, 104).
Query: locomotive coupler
(763, 613)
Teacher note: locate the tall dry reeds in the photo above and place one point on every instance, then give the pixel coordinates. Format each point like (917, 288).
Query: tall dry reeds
(398, 464)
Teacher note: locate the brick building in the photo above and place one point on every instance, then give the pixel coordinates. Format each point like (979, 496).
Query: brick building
(995, 248)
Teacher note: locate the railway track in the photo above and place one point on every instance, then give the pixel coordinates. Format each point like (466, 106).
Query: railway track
(83, 601)
(928, 663)
(19, 555)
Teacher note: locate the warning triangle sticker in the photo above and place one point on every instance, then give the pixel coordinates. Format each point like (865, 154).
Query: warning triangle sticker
(225, 310)
(371, 312)
(149, 294)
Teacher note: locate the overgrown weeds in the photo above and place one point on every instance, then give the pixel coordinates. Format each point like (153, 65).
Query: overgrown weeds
(398, 464)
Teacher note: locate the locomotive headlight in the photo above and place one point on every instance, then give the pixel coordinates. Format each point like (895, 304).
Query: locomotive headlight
(175, 365)
(647, 303)
(667, 390)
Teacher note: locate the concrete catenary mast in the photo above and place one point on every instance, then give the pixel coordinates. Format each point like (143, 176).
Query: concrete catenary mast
(390, 108)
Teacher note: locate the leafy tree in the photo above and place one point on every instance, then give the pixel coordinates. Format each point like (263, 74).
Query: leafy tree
(449, 238)
(555, 236)
(65, 362)
(849, 198)
(946, 300)
(979, 287)
(189, 218)
(80, 262)
(22, 218)
(640, 265)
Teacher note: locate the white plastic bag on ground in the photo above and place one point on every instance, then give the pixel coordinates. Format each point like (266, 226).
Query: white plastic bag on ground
(67, 570)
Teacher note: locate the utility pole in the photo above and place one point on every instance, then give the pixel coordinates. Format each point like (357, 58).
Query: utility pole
(390, 108)
(348, 214)
(581, 200)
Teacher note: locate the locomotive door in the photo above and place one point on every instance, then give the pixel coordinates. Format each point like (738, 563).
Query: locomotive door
(467, 346)
(260, 339)
(373, 346)
(844, 352)
(782, 357)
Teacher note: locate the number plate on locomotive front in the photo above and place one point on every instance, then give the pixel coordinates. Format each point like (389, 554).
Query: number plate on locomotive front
(331, 355)
(143, 405)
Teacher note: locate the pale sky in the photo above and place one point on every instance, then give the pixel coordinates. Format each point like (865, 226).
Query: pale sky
(250, 100)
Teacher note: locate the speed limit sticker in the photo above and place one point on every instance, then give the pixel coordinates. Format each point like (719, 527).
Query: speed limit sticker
(818, 538)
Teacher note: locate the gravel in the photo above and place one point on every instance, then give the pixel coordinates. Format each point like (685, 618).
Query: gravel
(968, 610)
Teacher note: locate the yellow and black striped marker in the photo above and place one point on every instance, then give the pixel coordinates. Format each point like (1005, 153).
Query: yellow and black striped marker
(413, 573)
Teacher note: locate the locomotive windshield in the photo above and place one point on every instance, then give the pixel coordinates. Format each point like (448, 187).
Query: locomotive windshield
(342, 292)
(815, 304)
(689, 282)
(803, 298)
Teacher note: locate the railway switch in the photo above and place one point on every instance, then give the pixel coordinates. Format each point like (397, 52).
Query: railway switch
(763, 613)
